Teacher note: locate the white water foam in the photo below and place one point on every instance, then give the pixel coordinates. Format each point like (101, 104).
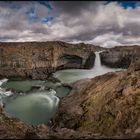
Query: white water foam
(3, 92)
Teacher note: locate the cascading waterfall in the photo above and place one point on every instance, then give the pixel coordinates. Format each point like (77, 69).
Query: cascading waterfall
(97, 63)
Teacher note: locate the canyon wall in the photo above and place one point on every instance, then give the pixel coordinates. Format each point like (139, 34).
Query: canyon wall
(120, 56)
(36, 60)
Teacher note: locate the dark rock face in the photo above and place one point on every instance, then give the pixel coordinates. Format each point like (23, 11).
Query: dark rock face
(90, 61)
(70, 61)
(120, 57)
(36, 60)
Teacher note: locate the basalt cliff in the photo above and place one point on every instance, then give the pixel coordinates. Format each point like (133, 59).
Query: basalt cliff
(120, 56)
(36, 60)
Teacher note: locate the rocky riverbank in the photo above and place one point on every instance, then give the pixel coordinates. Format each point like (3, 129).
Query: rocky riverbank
(36, 60)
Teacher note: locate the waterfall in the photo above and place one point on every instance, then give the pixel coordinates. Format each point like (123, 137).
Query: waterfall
(97, 63)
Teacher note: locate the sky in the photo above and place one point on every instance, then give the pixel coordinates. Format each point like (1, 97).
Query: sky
(103, 23)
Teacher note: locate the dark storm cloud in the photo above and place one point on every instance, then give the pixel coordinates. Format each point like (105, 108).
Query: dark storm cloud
(74, 8)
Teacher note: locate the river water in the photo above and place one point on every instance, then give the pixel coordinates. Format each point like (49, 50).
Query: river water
(35, 101)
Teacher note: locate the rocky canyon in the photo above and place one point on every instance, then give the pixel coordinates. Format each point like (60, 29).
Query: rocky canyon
(107, 106)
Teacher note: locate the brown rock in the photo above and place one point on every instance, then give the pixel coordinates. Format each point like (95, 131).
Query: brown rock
(36, 60)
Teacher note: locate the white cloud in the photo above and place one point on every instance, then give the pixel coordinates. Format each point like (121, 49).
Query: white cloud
(96, 23)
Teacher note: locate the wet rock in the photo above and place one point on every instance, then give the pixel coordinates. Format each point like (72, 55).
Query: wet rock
(90, 61)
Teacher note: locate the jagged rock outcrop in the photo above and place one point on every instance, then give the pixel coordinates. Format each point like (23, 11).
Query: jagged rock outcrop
(120, 57)
(37, 59)
(108, 105)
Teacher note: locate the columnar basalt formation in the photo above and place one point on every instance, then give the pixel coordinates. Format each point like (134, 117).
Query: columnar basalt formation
(120, 56)
(37, 59)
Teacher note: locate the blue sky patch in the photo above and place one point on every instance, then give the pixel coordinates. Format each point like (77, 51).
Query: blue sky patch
(46, 20)
(46, 4)
(31, 14)
(127, 4)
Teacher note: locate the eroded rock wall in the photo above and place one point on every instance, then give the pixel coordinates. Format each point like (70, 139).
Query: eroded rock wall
(37, 59)
(120, 57)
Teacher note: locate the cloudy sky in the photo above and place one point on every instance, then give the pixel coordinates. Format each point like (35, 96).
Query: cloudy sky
(101, 23)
